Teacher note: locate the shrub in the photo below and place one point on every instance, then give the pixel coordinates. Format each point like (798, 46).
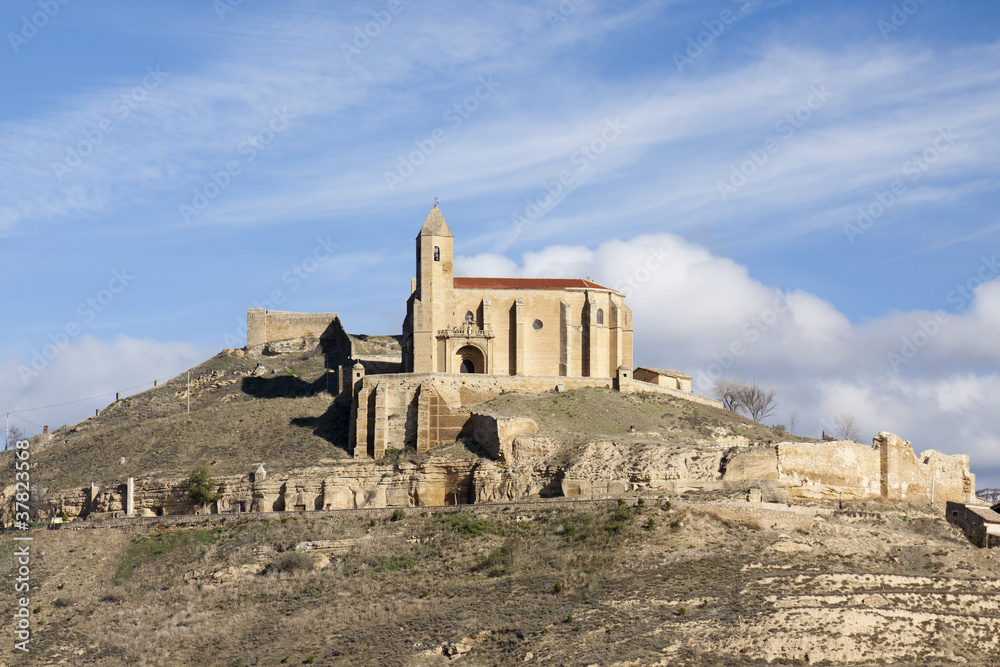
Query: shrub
(291, 562)
(650, 525)
(391, 563)
(557, 588)
(468, 526)
(200, 485)
(398, 515)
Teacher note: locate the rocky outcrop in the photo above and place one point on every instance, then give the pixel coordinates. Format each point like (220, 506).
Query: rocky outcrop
(502, 438)
(525, 464)
(348, 486)
(829, 469)
(608, 468)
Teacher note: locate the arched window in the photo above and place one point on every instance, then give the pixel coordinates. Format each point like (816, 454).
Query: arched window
(437, 254)
(600, 316)
(469, 317)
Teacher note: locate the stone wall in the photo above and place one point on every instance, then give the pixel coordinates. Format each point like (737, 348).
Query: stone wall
(265, 326)
(346, 486)
(497, 435)
(627, 385)
(889, 469)
(908, 477)
(829, 469)
(422, 410)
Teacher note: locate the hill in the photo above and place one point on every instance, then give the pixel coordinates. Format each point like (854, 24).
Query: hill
(276, 409)
(703, 578)
(610, 583)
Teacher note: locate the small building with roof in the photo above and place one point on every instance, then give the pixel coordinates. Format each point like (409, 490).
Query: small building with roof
(663, 377)
(981, 524)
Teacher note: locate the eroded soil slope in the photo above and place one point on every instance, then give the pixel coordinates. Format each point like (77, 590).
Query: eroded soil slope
(692, 583)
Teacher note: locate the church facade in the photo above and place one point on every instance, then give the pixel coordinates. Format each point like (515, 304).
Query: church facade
(508, 326)
(466, 340)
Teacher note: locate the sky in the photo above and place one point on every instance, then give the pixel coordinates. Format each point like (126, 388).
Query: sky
(798, 194)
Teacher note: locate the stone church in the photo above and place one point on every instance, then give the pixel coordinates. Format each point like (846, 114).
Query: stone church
(508, 326)
(466, 341)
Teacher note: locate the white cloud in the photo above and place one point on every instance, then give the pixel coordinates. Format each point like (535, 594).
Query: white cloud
(707, 316)
(93, 369)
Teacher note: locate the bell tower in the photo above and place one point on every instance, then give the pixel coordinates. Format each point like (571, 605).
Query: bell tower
(433, 298)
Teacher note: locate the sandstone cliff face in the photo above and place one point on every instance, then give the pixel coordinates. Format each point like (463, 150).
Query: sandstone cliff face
(525, 464)
(348, 486)
(607, 468)
(828, 469)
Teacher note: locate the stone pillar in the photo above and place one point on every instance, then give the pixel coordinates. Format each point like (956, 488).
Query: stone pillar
(487, 318)
(566, 363)
(256, 326)
(360, 432)
(341, 385)
(94, 490)
(129, 497)
(517, 334)
(623, 378)
(381, 436)
(260, 475)
(424, 417)
(890, 460)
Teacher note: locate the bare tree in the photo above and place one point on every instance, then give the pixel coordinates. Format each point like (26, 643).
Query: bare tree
(757, 401)
(738, 396)
(728, 392)
(847, 427)
(13, 436)
(793, 420)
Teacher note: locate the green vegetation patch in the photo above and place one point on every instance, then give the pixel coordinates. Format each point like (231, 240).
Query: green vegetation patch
(467, 525)
(174, 548)
(391, 563)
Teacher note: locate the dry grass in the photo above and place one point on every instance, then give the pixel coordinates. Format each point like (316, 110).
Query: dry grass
(578, 586)
(595, 413)
(236, 419)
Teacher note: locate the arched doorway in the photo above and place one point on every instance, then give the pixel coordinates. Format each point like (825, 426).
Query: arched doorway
(470, 359)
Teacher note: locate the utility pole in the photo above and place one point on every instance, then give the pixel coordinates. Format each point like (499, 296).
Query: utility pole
(6, 437)
(189, 392)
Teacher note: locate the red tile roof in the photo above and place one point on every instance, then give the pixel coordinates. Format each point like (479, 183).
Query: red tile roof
(526, 283)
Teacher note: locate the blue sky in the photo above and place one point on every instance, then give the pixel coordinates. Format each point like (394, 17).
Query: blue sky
(176, 163)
